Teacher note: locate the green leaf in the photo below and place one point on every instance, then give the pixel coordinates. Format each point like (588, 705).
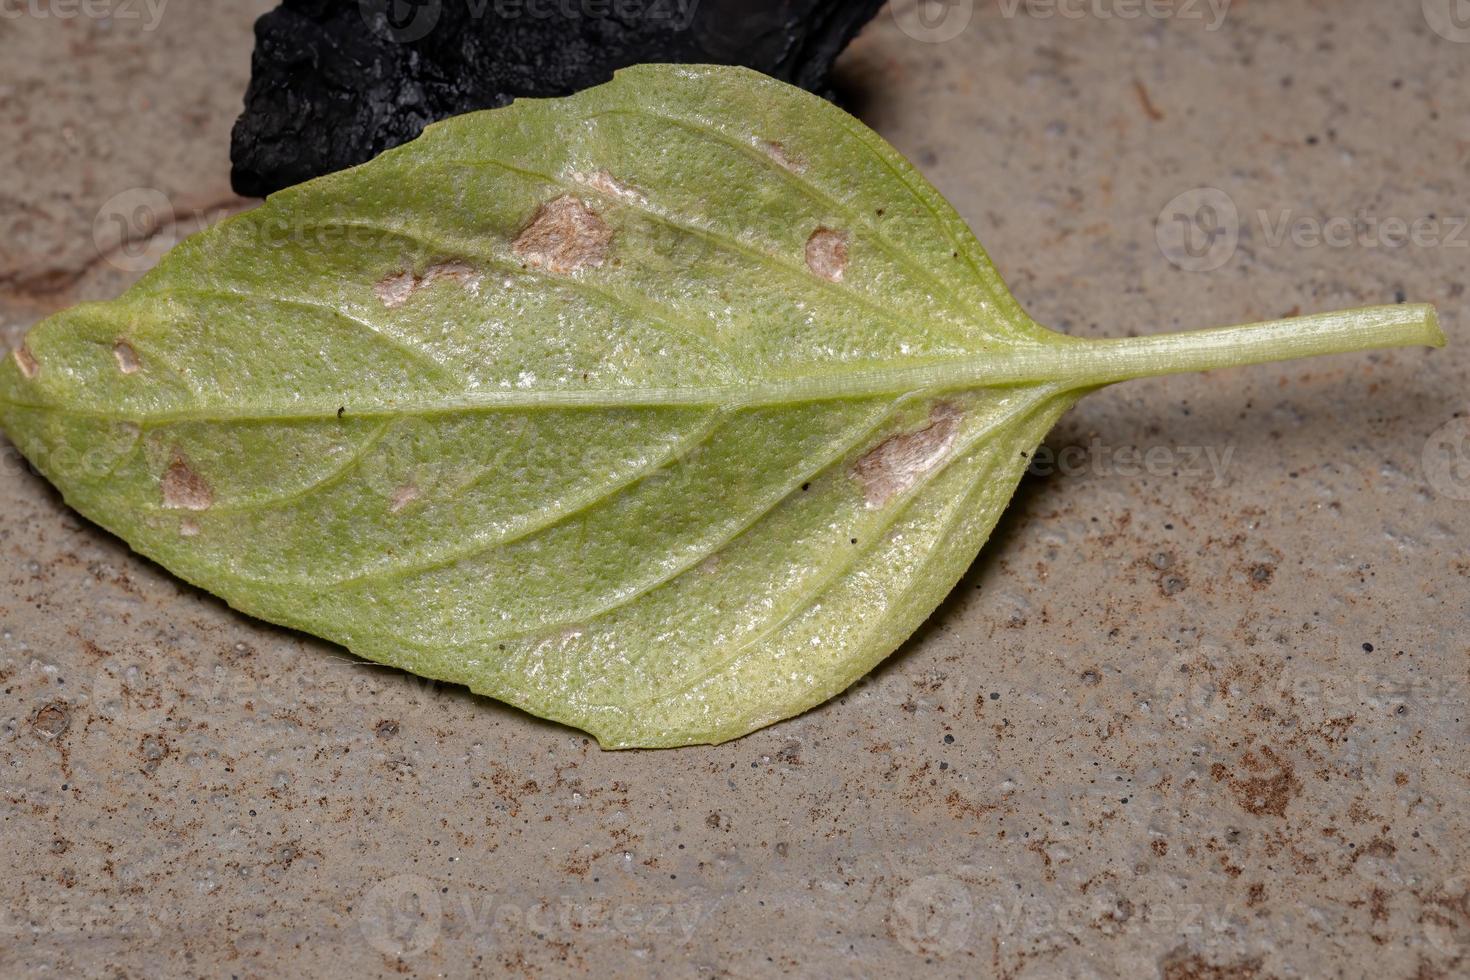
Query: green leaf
(666, 410)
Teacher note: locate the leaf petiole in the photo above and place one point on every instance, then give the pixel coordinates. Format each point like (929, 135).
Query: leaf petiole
(1107, 361)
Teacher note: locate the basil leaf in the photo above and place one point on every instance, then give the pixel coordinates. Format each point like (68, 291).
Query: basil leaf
(665, 410)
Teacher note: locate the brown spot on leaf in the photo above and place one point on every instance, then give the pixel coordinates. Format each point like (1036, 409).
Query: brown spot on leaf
(826, 254)
(127, 358)
(896, 463)
(395, 290)
(26, 361)
(183, 489)
(779, 153)
(402, 497)
(563, 236)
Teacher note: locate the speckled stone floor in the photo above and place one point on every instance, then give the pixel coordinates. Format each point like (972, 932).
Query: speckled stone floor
(1199, 711)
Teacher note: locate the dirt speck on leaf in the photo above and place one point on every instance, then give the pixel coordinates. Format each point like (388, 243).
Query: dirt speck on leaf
(564, 236)
(896, 463)
(826, 254)
(395, 290)
(183, 489)
(26, 361)
(127, 358)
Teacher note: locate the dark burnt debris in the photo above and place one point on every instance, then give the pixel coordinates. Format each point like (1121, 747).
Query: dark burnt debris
(335, 82)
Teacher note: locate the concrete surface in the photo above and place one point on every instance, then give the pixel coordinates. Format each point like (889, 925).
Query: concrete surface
(1198, 712)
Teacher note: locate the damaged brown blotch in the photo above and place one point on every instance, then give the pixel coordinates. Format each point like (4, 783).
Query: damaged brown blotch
(395, 290)
(826, 254)
(402, 497)
(564, 236)
(183, 489)
(127, 358)
(776, 151)
(26, 361)
(896, 463)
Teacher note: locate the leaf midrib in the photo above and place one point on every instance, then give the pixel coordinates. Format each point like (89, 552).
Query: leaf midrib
(1002, 368)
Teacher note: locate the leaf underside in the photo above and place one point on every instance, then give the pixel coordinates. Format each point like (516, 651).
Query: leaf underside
(603, 406)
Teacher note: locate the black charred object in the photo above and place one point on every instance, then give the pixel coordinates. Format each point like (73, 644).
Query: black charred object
(335, 82)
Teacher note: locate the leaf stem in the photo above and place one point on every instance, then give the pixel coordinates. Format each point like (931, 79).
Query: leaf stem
(1106, 361)
(1067, 364)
